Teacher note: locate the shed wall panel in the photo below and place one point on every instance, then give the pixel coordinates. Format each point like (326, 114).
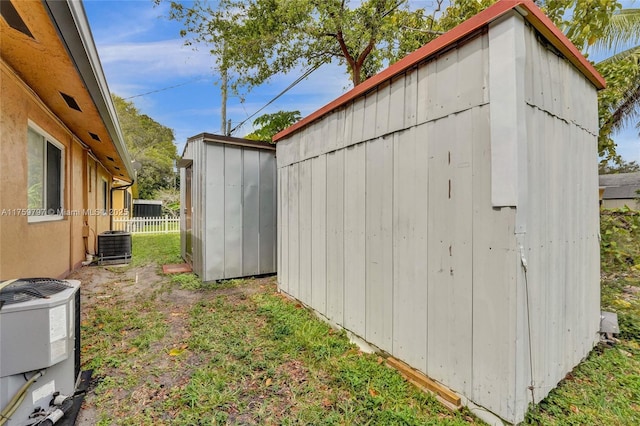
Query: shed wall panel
(198, 199)
(473, 77)
(294, 230)
(357, 122)
(335, 236)
(446, 85)
(304, 220)
(283, 237)
(250, 212)
(328, 132)
(449, 258)
(267, 213)
(319, 234)
(397, 98)
(494, 277)
(560, 242)
(232, 212)
(379, 242)
(214, 213)
(354, 238)
(410, 238)
(422, 94)
(553, 85)
(411, 98)
(382, 109)
(406, 248)
(369, 130)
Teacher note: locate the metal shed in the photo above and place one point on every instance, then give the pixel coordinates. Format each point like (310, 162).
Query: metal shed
(228, 213)
(446, 210)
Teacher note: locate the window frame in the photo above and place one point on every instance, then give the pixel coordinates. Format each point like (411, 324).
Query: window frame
(47, 138)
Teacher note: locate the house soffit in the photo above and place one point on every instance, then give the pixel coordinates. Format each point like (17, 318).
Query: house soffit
(44, 64)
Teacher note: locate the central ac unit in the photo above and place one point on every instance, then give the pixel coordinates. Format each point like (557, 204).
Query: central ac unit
(39, 346)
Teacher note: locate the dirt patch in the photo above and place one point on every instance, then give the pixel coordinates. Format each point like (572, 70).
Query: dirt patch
(146, 288)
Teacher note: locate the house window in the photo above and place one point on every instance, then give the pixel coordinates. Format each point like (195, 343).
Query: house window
(45, 162)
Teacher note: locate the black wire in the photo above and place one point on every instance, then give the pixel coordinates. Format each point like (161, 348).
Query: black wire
(165, 88)
(289, 87)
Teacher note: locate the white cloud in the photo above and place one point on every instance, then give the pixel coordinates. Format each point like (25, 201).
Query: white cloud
(154, 61)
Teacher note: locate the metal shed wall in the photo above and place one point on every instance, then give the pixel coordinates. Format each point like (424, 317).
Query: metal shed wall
(234, 209)
(389, 227)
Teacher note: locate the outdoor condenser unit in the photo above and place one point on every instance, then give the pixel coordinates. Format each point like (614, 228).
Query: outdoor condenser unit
(114, 247)
(39, 332)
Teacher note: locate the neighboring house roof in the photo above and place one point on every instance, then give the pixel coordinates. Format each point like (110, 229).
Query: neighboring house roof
(620, 185)
(526, 8)
(49, 45)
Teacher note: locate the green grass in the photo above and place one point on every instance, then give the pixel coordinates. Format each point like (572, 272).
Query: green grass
(242, 354)
(268, 361)
(157, 249)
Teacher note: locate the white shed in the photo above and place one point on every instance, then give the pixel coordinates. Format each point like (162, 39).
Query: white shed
(228, 207)
(446, 210)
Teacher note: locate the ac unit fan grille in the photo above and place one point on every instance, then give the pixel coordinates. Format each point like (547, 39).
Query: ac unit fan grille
(25, 289)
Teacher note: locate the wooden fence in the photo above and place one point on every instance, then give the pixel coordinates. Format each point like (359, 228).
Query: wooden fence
(147, 225)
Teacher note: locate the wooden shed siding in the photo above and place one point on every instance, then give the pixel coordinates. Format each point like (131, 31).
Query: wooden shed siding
(427, 88)
(398, 262)
(410, 247)
(319, 233)
(379, 243)
(407, 249)
(562, 244)
(212, 250)
(553, 84)
(233, 198)
(268, 212)
(251, 205)
(335, 237)
(354, 238)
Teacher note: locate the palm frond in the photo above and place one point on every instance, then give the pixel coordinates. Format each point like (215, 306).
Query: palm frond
(632, 53)
(628, 111)
(623, 31)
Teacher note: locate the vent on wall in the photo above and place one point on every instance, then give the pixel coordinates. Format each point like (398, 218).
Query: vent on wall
(71, 102)
(10, 14)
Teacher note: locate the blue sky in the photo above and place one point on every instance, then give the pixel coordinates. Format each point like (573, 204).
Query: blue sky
(141, 51)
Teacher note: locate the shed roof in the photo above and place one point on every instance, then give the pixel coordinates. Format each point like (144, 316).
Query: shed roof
(229, 140)
(526, 8)
(620, 185)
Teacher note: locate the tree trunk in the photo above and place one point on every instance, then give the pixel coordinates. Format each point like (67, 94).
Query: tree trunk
(355, 72)
(223, 101)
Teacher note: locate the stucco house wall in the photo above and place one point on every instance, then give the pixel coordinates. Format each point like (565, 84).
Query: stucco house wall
(44, 70)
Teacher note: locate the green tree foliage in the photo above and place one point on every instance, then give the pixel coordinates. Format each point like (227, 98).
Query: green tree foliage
(584, 22)
(266, 37)
(149, 143)
(619, 103)
(621, 167)
(271, 124)
(257, 39)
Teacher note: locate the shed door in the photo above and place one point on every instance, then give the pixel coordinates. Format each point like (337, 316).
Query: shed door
(187, 215)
